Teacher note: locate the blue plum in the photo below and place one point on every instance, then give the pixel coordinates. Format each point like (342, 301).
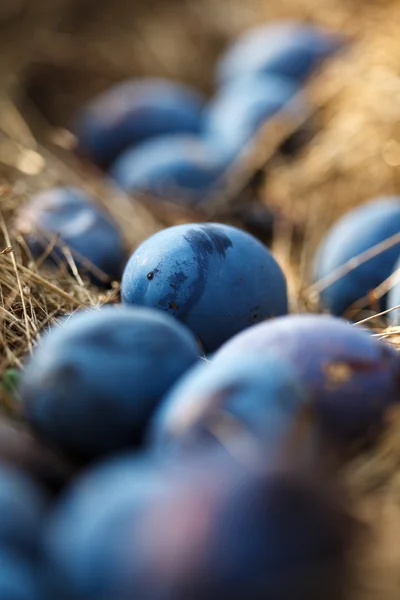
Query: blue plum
(393, 298)
(287, 48)
(354, 234)
(91, 235)
(22, 509)
(215, 278)
(175, 167)
(132, 112)
(352, 378)
(204, 529)
(93, 382)
(19, 579)
(241, 107)
(256, 395)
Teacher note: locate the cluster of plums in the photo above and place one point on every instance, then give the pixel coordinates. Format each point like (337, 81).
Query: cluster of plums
(198, 422)
(159, 137)
(162, 138)
(184, 444)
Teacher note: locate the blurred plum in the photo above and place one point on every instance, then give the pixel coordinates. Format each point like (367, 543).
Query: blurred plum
(134, 111)
(358, 232)
(175, 167)
(253, 395)
(92, 383)
(351, 377)
(286, 48)
(22, 508)
(68, 217)
(205, 529)
(240, 108)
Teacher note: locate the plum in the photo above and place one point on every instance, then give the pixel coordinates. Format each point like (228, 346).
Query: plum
(240, 108)
(91, 235)
(353, 235)
(132, 112)
(94, 381)
(205, 529)
(22, 508)
(351, 377)
(175, 167)
(258, 395)
(393, 298)
(215, 278)
(287, 48)
(19, 579)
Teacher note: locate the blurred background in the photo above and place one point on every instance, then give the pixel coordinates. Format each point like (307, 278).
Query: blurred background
(57, 54)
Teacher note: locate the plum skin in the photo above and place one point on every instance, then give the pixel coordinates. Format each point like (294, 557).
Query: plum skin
(92, 383)
(351, 377)
(356, 232)
(174, 167)
(256, 395)
(286, 48)
(88, 231)
(238, 110)
(134, 111)
(172, 531)
(215, 278)
(22, 509)
(19, 578)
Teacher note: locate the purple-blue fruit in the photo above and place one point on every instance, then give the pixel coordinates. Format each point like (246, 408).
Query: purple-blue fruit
(204, 529)
(240, 108)
(22, 508)
(93, 383)
(393, 297)
(351, 378)
(174, 167)
(214, 278)
(132, 112)
(258, 396)
(353, 238)
(286, 48)
(67, 217)
(19, 579)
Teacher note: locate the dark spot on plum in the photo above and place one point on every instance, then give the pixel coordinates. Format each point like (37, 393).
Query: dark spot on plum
(253, 318)
(150, 275)
(64, 373)
(100, 338)
(207, 240)
(176, 278)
